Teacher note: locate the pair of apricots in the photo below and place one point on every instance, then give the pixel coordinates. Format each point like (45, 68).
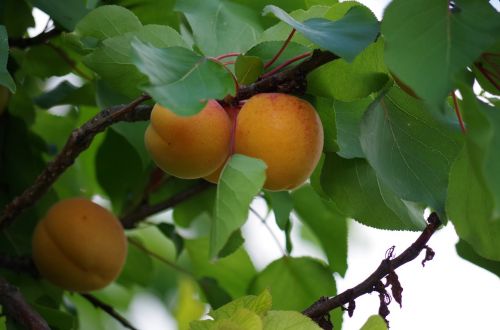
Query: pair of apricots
(282, 130)
(80, 246)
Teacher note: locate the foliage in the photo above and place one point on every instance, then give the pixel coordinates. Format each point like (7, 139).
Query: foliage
(388, 155)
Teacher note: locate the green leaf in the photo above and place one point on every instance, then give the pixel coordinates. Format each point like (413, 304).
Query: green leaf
(16, 16)
(346, 37)
(326, 223)
(44, 61)
(410, 151)
(466, 251)
(188, 307)
(488, 61)
(134, 134)
(282, 205)
(473, 193)
(67, 93)
(374, 322)
(233, 273)
(427, 57)
(106, 22)
(138, 268)
(241, 179)
(346, 81)
(284, 320)
(152, 11)
(268, 49)
(215, 295)
(169, 231)
(55, 318)
(348, 118)
(357, 193)
(248, 69)
(325, 109)
(5, 77)
(221, 26)
(188, 211)
(309, 278)
(67, 13)
(260, 305)
(115, 160)
(180, 79)
(114, 59)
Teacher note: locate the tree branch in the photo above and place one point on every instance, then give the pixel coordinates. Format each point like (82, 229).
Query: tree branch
(108, 309)
(19, 264)
(130, 220)
(320, 309)
(78, 141)
(16, 307)
(292, 81)
(36, 40)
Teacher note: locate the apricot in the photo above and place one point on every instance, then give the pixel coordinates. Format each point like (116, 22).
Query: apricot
(79, 245)
(285, 132)
(189, 147)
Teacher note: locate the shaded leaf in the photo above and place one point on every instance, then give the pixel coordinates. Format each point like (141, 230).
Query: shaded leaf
(282, 205)
(346, 81)
(346, 37)
(67, 13)
(221, 26)
(180, 79)
(241, 179)
(106, 22)
(415, 51)
(329, 226)
(466, 251)
(309, 278)
(233, 273)
(357, 193)
(114, 59)
(5, 77)
(248, 69)
(410, 151)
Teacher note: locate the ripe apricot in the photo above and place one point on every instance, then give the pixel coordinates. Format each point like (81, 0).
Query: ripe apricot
(285, 132)
(189, 147)
(79, 245)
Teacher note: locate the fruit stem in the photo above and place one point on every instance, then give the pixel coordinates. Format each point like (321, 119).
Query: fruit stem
(232, 54)
(285, 64)
(282, 49)
(457, 112)
(229, 62)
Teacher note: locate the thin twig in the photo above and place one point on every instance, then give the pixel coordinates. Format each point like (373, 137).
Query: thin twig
(286, 63)
(17, 309)
(264, 222)
(223, 56)
(108, 309)
(37, 40)
(318, 310)
(131, 220)
(160, 258)
(78, 141)
(282, 49)
(457, 112)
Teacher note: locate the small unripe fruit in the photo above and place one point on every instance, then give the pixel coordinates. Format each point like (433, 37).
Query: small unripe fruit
(79, 245)
(189, 147)
(285, 132)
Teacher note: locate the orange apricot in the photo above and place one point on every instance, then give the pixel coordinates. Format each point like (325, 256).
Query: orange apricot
(189, 147)
(285, 132)
(79, 245)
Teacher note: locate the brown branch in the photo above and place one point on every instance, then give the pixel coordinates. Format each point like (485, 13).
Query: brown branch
(318, 310)
(16, 308)
(108, 309)
(78, 141)
(16, 264)
(130, 220)
(292, 81)
(36, 40)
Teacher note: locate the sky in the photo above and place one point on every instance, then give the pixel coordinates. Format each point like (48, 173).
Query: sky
(449, 293)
